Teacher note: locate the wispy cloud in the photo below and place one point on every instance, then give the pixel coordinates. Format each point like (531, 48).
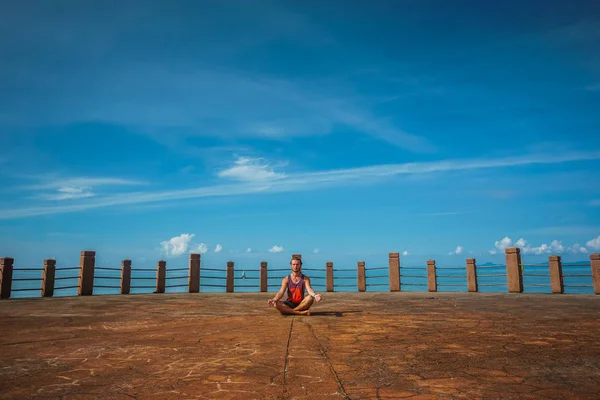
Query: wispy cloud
(304, 181)
(52, 182)
(595, 203)
(67, 192)
(251, 169)
(69, 188)
(443, 214)
(593, 88)
(173, 106)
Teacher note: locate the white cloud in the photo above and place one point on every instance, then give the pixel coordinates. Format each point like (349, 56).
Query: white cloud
(493, 252)
(177, 245)
(276, 249)
(595, 203)
(539, 250)
(251, 169)
(458, 250)
(555, 247)
(218, 248)
(503, 244)
(202, 248)
(298, 182)
(248, 250)
(521, 243)
(594, 243)
(405, 253)
(182, 244)
(577, 249)
(316, 251)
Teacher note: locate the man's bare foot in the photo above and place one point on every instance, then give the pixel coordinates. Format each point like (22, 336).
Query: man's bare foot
(306, 312)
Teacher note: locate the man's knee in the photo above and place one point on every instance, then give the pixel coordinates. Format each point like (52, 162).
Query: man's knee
(307, 302)
(280, 306)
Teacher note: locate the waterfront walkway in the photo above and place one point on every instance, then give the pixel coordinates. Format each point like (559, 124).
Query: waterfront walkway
(354, 346)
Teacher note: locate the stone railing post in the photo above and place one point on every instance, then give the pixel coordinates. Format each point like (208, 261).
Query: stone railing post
(264, 277)
(194, 273)
(431, 276)
(329, 276)
(556, 276)
(595, 265)
(161, 276)
(394, 265)
(472, 285)
(87, 263)
(6, 273)
(125, 276)
(362, 280)
(229, 285)
(48, 278)
(514, 275)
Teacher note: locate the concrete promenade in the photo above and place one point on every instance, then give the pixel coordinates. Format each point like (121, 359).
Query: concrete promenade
(355, 346)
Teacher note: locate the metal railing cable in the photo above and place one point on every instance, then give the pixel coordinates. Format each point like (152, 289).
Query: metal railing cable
(173, 278)
(100, 278)
(20, 275)
(576, 275)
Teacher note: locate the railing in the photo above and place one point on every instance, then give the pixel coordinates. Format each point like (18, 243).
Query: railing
(486, 280)
(514, 276)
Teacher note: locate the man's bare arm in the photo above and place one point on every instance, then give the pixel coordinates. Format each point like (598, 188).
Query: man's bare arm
(310, 290)
(280, 293)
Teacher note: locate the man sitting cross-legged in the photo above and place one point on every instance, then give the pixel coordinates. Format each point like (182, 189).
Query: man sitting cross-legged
(295, 284)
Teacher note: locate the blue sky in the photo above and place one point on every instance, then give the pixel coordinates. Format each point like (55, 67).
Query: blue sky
(341, 130)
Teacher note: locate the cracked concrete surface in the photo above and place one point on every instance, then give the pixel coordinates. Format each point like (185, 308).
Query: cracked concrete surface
(353, 346)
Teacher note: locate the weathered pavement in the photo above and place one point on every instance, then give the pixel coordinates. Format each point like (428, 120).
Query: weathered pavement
(354, 346)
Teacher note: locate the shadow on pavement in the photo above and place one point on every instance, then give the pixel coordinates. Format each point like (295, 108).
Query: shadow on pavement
(336, 313)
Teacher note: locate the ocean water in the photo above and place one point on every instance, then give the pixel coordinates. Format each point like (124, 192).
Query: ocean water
(27, 282)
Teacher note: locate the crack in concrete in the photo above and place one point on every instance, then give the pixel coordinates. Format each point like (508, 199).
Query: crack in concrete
(328, 361)
(287, 356)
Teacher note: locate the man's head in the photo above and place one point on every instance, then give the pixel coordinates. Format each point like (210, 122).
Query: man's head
(296, 264)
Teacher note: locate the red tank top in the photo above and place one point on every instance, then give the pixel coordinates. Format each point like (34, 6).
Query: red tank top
(295, 290)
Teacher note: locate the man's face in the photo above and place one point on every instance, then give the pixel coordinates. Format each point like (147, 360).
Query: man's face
(296, 265)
